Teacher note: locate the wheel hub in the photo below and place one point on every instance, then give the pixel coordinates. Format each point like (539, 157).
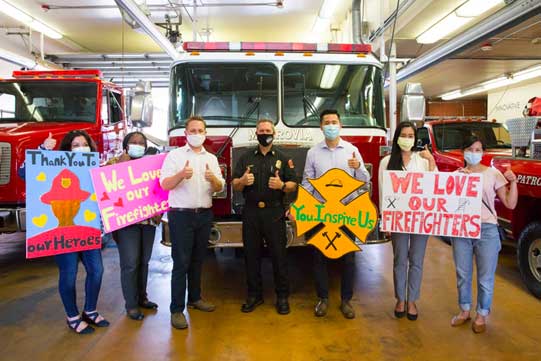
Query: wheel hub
(534, 258)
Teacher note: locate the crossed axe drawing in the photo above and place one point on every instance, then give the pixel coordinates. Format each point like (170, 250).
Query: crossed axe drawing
(331, 241)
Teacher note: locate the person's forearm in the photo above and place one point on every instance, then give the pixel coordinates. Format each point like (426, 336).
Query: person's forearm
(238, 186)
(171, 182)
(290, 187)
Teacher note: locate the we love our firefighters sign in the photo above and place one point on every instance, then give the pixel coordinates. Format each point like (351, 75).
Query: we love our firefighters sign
(358, 216)
(440, 204)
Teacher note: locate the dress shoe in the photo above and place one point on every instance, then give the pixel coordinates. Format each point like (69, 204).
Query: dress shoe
(178, 320)
(321, 307)
(202, 305)
(251, 304)
(347, 310)
(135, 314)
(149, 305)
(282, 306)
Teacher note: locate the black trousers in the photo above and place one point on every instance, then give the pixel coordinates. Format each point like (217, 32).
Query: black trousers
(322, 276)
(267, 224)
(190, 233)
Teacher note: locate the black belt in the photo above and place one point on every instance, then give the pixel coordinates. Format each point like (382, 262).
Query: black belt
(265, 204)
(190, 210)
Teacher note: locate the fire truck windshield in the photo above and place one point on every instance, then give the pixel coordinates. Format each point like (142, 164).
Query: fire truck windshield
(47, 101)
(356, 91)
(450, 135)
(225, 94)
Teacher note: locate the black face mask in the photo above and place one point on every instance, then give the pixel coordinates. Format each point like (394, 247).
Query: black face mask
(265, 139)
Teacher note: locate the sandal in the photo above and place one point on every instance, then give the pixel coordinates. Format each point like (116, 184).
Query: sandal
(92, 317)
(74, 325)
(457, 320)
(148, 304)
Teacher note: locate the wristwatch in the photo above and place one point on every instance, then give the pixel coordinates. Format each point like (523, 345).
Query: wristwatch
(283, 186)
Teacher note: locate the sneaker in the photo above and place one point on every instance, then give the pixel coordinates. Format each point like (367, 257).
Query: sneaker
(202, 305)
(178, 320)
(347, 310)
(321, 307)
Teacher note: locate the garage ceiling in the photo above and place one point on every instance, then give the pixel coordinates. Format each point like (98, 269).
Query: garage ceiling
(96, 27)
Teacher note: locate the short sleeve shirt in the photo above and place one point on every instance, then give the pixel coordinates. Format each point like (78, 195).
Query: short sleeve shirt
(263, 167)
(493, 180)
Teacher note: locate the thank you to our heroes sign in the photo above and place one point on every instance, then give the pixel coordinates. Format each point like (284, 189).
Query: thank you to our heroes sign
(62, 213)
(440, 204)
(130, 192)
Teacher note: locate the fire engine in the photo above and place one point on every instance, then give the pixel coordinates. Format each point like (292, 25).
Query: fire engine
(34, 104)
(232, 85)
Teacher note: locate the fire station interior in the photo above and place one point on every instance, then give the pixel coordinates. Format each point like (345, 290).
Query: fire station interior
(453, 67)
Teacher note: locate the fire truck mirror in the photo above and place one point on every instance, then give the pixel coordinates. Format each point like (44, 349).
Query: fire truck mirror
(412, 107)
(141, 107)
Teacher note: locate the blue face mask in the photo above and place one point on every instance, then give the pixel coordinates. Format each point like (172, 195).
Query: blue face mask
(136, 150)
(331, 131)
(473, 158)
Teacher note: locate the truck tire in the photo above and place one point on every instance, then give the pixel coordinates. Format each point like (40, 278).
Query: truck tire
(529, 257)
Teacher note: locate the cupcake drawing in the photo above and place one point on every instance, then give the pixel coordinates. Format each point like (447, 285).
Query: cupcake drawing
(65, 197)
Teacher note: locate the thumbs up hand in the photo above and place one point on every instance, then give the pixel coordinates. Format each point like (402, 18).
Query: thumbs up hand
(509, 175)
(247, 178)
(187, 171)
(50, 142)
(354, 162)
(275, 182)
(209, 176)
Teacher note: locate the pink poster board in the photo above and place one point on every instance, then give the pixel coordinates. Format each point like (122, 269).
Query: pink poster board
(129, 192)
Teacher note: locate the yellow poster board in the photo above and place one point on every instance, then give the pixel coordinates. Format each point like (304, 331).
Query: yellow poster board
(359, 215)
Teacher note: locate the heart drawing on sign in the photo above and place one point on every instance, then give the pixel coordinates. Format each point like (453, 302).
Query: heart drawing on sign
(104, 197)
(119, 203)
(40, 221)
(89, 216)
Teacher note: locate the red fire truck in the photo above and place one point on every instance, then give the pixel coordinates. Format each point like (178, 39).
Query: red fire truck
(232, 85)
(34, 104)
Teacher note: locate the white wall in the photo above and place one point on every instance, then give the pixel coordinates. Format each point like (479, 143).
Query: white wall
(507, 103)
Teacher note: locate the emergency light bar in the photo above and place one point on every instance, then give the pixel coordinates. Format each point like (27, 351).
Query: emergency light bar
(90, 73)
(276, 47)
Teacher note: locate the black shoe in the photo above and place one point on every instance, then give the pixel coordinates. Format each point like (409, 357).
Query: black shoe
(412, 316)
(321, 307)
(135, 314)
(149, 305)
(251, 304)
(399, 314)
(282, 306)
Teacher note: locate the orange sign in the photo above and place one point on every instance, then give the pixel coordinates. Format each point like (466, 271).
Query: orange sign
(359, 215)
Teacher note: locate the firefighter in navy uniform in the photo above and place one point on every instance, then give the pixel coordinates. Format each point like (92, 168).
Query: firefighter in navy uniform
(264, 175)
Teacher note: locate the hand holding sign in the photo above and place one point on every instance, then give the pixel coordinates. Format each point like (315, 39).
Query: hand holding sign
(50, 142)
(247, 178)
(509, 175)
(187, 171)
(354, 162)
(209, 176)
(275, 182)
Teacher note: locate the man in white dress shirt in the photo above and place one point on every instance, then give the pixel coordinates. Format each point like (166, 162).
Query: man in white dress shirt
(192, 175)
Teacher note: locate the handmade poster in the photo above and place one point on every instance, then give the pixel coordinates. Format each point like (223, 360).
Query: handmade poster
(62, 213)
(435, 203)
(340, 222)
(130, 192)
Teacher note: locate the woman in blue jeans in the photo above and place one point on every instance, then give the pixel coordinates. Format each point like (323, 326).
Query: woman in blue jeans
(80, 141)
(135, 242)
(485, 249)
(409, 249)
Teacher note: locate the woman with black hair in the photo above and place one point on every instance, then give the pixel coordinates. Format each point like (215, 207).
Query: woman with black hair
(409, 249)
(485, 249)
(80, 141)
(135, 242)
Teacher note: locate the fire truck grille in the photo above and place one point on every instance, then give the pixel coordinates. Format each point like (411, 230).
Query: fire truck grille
(5, 162)
(297, 155)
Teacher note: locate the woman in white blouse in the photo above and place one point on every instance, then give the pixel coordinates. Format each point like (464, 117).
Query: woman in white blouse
(409, 249)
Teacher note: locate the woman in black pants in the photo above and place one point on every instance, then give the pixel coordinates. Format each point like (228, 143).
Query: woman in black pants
(135, 242)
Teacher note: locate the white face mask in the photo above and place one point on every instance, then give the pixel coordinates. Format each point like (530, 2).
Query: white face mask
(136, 150)
(81, 149)
(473, 158)
(195, 140)
(405, 143)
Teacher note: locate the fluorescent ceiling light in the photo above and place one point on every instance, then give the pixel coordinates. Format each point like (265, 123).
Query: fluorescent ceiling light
(443, 27)
(21, 16)
(330, 72)
(19, 60)
(500, 82)
(473, 8)
(326, 10)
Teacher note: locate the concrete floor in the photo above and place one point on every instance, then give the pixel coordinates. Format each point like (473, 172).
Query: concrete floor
(32, 323)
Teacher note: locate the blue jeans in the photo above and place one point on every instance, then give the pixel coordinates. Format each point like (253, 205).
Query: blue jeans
(67, 265)
(190, 234)
(485, 251)
(409, 253)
